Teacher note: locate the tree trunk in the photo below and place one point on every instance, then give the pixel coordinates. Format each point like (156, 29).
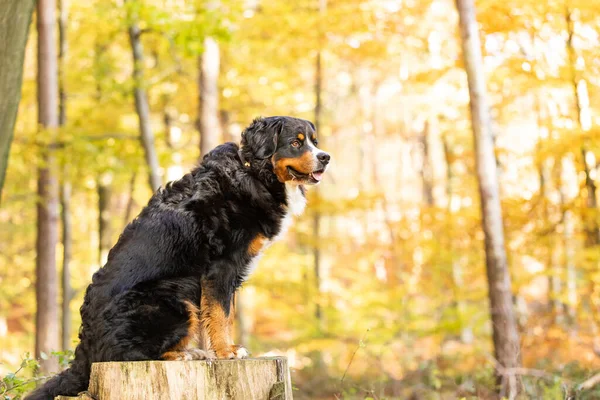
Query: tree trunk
(584, 119)
(62, 52)
(568, 235)
(241, 320)
(67, 239)
(466, 332)
(65, 186)
(47, 208)
(104, 232)
(131, 199)
(208, 123)
(317, 216)
(229, 133)
(173, 136)
(15, 18)
(504, 325)
(425, 170)
(141, 106)
(266, 378)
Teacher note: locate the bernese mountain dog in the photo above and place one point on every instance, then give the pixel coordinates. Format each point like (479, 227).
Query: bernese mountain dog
(171, 277)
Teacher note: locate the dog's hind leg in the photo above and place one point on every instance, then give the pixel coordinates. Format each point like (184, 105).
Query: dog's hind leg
(181, 351)
(155, 320)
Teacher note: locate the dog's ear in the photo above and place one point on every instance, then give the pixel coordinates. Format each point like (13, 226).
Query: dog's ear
(262, 135)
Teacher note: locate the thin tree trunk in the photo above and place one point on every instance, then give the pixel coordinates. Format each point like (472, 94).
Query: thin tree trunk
(47, 208)
(392, 263)
(229, 134)
(173, 136)
(552, 264)
(104, 232)
(15, 18)
(62, 52)
(567, 175)
(425, 170)
(243, 334)
(466, 332)
(67, 238)
(65, 189)
(317, 216)
(591, 226)
(584, 119)
(568, 234)
(208, 123)
(141, 106)
(504, 324)
(131, 200)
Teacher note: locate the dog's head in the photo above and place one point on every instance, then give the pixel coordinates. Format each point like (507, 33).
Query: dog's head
(291, 146)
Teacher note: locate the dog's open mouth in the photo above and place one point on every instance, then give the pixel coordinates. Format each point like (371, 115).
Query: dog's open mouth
(312, 178)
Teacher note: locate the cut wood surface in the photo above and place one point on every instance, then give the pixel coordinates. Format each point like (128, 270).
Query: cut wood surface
(265, 378)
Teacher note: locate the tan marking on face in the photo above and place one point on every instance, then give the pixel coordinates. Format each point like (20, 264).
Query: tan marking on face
(302, 164)
(301, 136)
(216, 324)
(256, 245)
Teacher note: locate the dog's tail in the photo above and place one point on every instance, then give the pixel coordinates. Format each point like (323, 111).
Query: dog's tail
(71, 381)
(68, 383)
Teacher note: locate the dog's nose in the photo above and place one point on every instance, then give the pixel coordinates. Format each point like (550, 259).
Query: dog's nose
(323, 158)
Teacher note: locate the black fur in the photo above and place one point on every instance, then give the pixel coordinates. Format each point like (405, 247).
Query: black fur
(196, 228)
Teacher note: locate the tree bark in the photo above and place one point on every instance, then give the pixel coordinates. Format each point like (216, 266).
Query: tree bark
(584, 119)
(141, 106)
(15, 18)
(466, 332)
(317, 215)
(65, 185)
(241, 320)
(173, 136)
(208, 124)
(265, 378)
(104, 232)
(131, 199)
(47, 208)
(62, 52)
(504, 325)
(67, 239)
(425, 170)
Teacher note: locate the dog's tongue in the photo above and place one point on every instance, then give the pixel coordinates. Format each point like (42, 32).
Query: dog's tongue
(317, 175)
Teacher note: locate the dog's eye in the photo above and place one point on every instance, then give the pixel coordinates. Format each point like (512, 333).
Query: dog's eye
(296, 143)
(315, 141)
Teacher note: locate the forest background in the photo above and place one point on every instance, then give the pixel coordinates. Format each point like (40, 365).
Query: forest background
(381, 289)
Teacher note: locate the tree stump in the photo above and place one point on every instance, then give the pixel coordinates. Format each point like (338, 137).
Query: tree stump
(266, 378)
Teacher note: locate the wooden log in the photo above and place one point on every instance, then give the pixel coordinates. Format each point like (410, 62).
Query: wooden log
(266, 378)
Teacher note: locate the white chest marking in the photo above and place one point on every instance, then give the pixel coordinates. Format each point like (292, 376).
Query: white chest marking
(296, 204)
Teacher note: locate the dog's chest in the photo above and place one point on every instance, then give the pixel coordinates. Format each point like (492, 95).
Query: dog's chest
(296, 203)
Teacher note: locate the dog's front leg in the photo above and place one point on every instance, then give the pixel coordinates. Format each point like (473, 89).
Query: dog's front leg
(216, 315)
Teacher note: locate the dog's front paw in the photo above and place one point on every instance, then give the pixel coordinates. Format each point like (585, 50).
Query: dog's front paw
(231, 352)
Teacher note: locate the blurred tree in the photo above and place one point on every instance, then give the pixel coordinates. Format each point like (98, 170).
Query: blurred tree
(318, 120)
(208, 112)
(507, 347)
(104, 216)
(47, 208)
(15, 19)
(141, 97)
(65, 184)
